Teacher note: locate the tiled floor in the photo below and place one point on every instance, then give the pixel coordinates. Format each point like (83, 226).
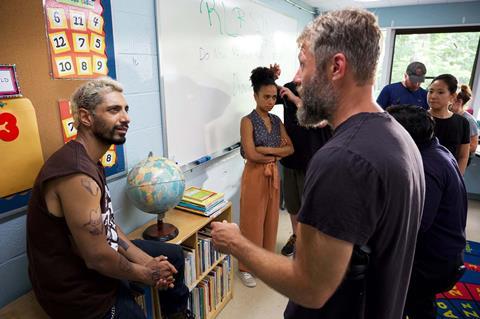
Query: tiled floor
(262, 302)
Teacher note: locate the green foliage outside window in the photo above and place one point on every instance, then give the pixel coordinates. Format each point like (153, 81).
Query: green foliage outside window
(452, 53)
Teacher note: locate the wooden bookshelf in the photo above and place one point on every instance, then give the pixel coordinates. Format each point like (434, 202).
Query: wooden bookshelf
(188, 225)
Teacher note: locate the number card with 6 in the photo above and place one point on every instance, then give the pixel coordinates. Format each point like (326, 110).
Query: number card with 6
(56, 18)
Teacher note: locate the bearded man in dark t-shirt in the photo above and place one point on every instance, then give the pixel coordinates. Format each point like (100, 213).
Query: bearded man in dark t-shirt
(364, 189)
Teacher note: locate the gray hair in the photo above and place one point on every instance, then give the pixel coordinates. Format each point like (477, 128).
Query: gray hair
(90, 94)
(353, 32)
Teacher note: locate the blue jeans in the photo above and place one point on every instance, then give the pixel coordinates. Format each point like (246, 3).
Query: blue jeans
(172, 300)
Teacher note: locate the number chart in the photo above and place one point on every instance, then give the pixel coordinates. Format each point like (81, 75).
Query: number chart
(76, 39)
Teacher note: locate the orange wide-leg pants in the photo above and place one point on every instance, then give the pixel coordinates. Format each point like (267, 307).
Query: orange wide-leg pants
(259, 205)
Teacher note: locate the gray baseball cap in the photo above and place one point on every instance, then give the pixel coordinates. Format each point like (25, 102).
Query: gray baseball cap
(416, 72)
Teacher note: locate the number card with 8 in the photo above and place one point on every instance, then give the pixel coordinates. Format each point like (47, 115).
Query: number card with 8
(110, 157)
(84, 65)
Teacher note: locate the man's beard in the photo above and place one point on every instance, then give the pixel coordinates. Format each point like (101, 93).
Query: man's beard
(319, 101)
(106, 135)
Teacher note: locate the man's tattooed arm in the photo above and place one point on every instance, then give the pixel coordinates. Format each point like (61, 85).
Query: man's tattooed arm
(90, 186)
(124, 264)
(95, 223)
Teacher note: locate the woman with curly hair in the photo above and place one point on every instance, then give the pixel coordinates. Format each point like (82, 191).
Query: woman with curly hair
(264, 141)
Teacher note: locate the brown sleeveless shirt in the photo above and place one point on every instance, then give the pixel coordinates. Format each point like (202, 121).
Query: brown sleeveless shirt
(63, 284)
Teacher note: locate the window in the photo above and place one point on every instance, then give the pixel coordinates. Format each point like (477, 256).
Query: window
(442, 50)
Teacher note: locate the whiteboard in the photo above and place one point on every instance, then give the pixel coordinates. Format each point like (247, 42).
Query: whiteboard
(207, 50)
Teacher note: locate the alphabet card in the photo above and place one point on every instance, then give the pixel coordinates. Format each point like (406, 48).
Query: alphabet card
(76, 38)
(20, 146)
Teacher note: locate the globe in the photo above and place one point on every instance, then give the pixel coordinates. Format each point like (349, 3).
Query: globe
(154, 186)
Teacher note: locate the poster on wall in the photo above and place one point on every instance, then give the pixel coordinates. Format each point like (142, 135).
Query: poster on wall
(19, 145)
(93, 23)
(76, 38)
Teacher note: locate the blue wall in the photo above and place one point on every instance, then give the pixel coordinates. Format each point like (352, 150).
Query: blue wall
(137, 68)
(429, 15)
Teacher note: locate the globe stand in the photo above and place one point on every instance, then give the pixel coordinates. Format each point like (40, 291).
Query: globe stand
(160, 231)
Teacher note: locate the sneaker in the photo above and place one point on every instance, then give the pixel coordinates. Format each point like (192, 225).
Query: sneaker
(289, 247)
(247, 279)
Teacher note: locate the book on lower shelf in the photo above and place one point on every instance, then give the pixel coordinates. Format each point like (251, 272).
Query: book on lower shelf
(212, 290)
(190, 265)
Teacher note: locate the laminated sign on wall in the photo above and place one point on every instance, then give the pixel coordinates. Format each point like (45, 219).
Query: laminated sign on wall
(19, 145)
(76, 38)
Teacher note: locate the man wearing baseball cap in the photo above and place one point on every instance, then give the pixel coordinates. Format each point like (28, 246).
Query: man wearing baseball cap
(408, 91)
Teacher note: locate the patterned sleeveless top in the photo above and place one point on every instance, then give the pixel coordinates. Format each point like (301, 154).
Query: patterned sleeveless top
(261, 135)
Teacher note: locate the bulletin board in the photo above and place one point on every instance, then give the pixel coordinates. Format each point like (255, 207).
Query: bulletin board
(25, 43)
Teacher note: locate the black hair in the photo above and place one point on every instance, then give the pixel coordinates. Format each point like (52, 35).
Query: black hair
(450, 80)
(262, 76)
(416, 120)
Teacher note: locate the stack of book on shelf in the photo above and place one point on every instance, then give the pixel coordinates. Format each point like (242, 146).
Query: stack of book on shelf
(211, 290)
(201, 201)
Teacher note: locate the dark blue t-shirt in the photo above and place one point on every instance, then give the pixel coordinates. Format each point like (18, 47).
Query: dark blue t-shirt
(442, 231)
(396, 93)
(366, 186)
